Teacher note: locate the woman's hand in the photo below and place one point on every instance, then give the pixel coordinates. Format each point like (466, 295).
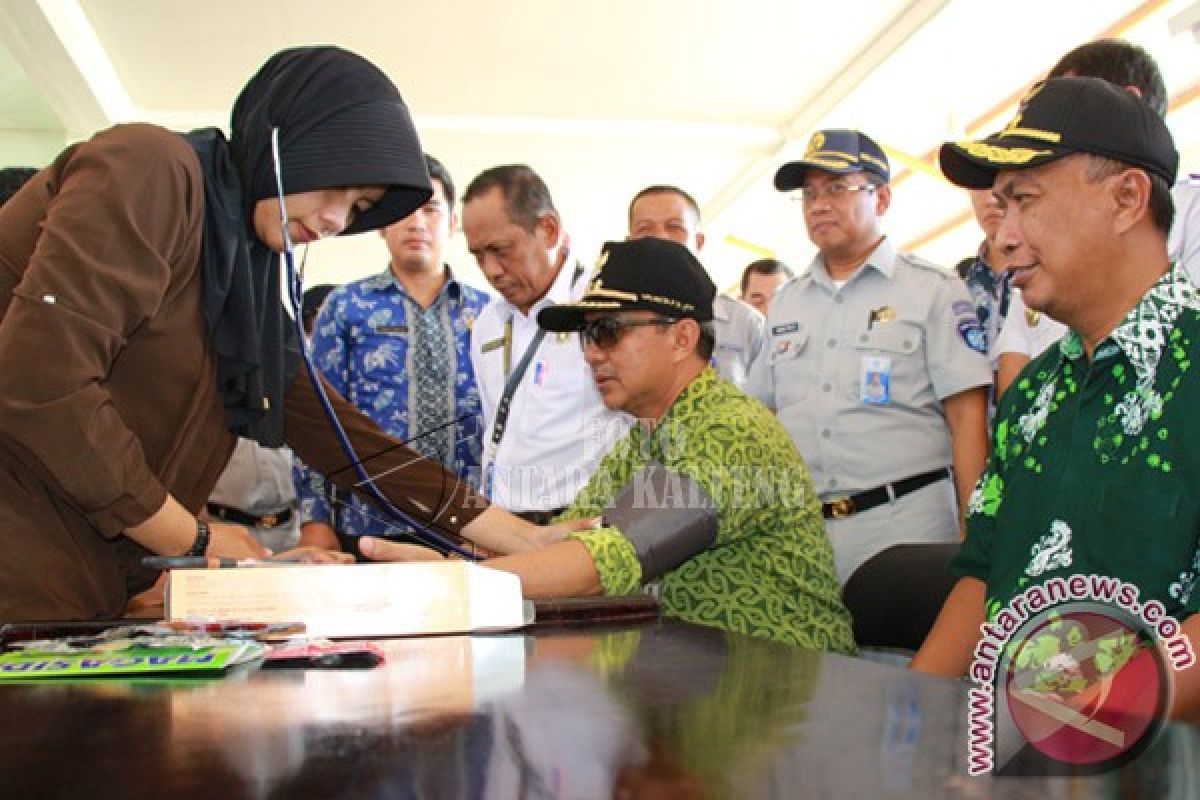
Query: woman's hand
(313, 555)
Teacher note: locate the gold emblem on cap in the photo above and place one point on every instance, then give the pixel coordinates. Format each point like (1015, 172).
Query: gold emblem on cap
(884, 314)
(1014, 127)
(815, 144)
(1032, 317)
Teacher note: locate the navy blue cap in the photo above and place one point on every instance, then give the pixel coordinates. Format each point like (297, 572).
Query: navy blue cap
(838, 151)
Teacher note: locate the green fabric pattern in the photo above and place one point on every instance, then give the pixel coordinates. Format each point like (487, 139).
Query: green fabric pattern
(1094, 468)
(770, 571)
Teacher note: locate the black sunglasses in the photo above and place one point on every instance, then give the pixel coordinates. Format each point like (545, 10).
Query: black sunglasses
(605, 332)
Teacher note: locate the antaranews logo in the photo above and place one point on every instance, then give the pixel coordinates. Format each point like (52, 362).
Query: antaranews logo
(1074, 673)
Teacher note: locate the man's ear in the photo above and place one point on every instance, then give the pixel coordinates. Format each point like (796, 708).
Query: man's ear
(699, 241)
(883, 199)
(686, 336)
(1131, 198)
(551, 228)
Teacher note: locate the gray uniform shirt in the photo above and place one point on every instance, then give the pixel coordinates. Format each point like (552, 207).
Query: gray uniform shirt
(858, 374)
(739, 330)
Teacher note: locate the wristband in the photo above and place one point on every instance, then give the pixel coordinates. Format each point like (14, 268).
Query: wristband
(200, 546)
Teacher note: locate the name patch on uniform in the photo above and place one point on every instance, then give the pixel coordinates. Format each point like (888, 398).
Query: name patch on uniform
(540, 371)
(391, 329)
(973, 334)
(788, 327)
(876, 380)
(962, 308)
(494, 344)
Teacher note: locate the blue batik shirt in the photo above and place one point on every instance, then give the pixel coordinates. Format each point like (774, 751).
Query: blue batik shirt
(407, 368)
(991, 294)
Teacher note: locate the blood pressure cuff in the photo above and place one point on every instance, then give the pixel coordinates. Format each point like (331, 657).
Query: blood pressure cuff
(667, 517)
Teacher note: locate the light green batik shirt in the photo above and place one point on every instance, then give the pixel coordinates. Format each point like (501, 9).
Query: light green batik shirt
(769, 573)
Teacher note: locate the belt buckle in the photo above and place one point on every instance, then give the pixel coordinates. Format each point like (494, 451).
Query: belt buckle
(841, 508)
(268, 521)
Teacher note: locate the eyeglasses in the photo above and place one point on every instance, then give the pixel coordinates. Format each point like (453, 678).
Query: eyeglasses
(834, 191)
(605, 332)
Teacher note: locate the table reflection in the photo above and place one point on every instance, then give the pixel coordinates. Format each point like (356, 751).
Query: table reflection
(663, 710)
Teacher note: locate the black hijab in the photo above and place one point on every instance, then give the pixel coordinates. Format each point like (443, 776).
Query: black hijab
(341, 123)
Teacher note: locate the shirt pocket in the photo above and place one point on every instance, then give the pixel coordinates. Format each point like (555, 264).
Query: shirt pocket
(791, 374)
(902, 343)
(559, 387)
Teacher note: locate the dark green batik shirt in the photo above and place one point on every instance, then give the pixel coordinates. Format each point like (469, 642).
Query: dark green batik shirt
(1096, 467)
(769, 573)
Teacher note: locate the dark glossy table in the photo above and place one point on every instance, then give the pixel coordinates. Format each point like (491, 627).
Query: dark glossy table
(662, 710)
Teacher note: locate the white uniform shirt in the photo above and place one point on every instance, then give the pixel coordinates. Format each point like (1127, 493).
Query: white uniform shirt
(558, 428)
(739, 333)
(1029, 332)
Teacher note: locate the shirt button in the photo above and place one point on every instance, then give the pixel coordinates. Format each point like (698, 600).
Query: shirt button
(832, 343)
(827, 387)
(825, 434)
(862, 337)
(907, 343)
(833, 483)
(837, 298)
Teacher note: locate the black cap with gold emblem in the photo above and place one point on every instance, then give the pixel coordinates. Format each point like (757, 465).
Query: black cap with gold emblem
(1060, 117)
(640, 274)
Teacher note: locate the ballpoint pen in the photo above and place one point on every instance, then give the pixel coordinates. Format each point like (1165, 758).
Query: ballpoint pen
(213, 562)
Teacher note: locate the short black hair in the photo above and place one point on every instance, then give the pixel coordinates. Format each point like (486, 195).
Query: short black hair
(662, 188)
(12, 179)
(1119, 62)
(525, 194)
(765, 266)
(708, 340)
(440, 174)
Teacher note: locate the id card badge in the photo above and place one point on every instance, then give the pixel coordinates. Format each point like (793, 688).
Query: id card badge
(876, 380)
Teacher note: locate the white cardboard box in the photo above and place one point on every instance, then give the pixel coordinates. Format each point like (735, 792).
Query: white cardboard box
(355, 600)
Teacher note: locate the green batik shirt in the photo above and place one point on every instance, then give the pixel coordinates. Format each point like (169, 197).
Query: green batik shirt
(769, 573)
(1096, 467)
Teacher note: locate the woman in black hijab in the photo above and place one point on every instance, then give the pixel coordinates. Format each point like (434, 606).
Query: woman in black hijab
(142, 328)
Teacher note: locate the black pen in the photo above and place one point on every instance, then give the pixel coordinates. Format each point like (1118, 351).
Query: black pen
(208, 562)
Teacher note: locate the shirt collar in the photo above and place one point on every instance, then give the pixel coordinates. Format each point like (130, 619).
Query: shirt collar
(678, 410)
(882, 259)
(1143, 334)
(720, 308)
(387, 280)
(981, 273)
(561, 291)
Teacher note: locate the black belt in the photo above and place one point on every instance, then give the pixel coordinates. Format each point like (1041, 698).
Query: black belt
(227, 514)
(539, 517)
(865, 501)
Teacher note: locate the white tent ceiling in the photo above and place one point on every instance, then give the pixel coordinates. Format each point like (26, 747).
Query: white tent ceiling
(603, 98)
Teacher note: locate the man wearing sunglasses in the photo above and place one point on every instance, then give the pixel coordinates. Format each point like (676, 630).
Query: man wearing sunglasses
(706, 500)
(875, 361)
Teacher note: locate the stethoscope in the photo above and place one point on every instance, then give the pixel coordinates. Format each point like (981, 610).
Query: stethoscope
(295, 281)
